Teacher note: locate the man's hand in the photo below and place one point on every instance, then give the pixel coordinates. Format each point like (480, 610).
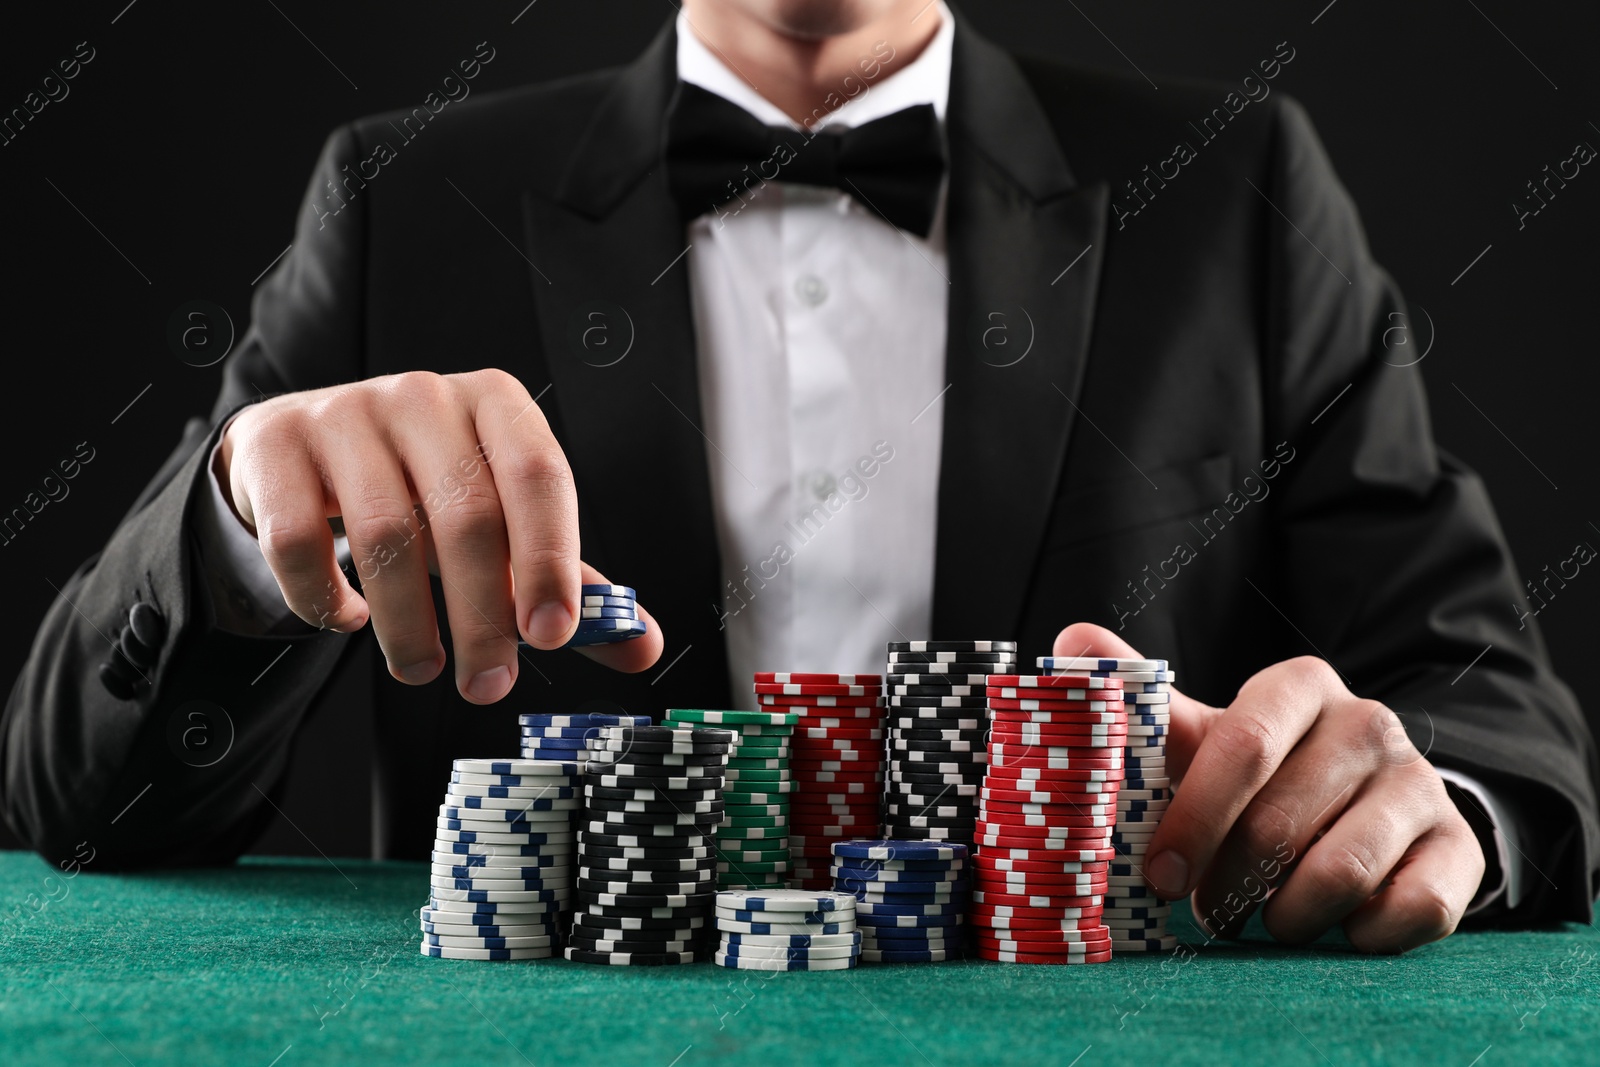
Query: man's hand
(458, 474)
(1302, 785)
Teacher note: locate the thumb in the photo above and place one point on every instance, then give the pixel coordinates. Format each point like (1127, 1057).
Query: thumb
(1190, 718)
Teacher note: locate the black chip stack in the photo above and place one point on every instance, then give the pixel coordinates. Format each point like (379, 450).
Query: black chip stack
(938, 736)
(647, 873)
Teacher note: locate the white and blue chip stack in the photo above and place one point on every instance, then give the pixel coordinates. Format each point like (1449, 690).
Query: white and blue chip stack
(502, 860)
(911, 897)
(568, 737)
(787, 930)
(646, 865)
(1137, 918)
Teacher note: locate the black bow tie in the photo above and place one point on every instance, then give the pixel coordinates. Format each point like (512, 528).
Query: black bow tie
(717, 151)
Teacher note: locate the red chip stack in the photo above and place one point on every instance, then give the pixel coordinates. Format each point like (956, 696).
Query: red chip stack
(1047, 810)
(835, 762)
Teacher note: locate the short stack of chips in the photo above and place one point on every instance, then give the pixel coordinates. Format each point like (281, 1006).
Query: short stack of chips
(753, 838)
(836, 759)
(646, 874)
(911, 897)
(938, 735)
(501, 873)
(1136, 916)
(1048, 808)
(787, 930)
(568, 737)
(607, 614)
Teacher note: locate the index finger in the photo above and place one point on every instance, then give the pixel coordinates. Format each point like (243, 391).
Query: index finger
(540, 502)
(1241, 750)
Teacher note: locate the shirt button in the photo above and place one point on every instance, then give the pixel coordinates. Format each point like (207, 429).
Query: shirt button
(811, 290)
(822, 484)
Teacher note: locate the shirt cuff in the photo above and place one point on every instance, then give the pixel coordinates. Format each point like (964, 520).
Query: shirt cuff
(244, 593)
(1503, 882)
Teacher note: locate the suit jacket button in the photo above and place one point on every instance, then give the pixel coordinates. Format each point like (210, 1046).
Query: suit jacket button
(148, 625)
(115, 684)
(137, 652)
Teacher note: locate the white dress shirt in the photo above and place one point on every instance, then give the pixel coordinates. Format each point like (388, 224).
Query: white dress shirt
(821, 341)
(820, 333)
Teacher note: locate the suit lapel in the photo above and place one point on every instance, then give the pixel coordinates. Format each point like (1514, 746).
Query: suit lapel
(612, 299)
(1026, 245)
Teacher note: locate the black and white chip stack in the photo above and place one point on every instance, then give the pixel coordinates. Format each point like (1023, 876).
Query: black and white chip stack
(753, 837)
(787, 930)
(646, 869)
(938, 736)
(1136, 917)
(501, 872)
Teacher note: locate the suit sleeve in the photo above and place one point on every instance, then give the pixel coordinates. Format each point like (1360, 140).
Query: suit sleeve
(1391, 559)
(179, 764)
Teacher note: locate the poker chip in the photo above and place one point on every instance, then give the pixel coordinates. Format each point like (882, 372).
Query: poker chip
(1090, 663)
(959, 651)
(645, 946)
(743, 963)
(729, 925)
(933, 674)
(630, 959)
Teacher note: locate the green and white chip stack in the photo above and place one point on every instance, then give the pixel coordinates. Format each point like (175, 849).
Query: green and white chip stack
(753, 839)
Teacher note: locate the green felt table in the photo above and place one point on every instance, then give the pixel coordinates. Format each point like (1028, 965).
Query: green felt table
(293, 962)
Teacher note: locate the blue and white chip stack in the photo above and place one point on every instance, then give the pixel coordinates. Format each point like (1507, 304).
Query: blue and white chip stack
(787, 930)
(1136, 917)
(607, 614)
(911, 897)
(502, 860)
(568, 737)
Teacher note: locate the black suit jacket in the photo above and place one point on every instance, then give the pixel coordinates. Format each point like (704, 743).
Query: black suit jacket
(1202, 447)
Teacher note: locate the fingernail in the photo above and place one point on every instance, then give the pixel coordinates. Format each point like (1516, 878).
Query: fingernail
(419, 673)
(490, 685)
(1168, 874)
(549, 622)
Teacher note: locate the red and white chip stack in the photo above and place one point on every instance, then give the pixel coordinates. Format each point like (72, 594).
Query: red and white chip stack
(836, 757)
(1136, 916)
(1047, 810)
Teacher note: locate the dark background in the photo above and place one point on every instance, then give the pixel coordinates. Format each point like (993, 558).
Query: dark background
(173, 171)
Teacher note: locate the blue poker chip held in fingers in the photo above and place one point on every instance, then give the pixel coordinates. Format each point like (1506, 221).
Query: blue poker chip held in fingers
(617, 591)
(606, 631)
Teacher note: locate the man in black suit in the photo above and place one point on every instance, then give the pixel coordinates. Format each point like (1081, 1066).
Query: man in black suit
(1158, 397)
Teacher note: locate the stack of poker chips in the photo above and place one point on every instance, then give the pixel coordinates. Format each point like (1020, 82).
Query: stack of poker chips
(911, 897)
(652, 797)
(501, 872)
(607, 614)
(787, 930)
(938, 735)
(568, 737)
(836, 759)
(1048, 808)
(1136, 916)
(752, 840)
